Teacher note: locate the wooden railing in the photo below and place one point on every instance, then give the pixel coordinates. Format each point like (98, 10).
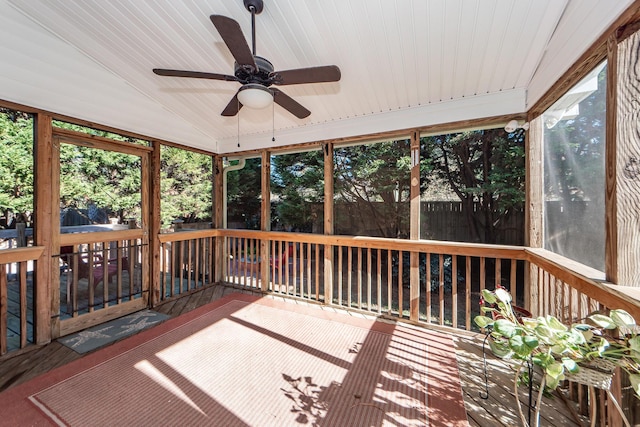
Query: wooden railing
(427, 282)
(16, 296)
(187, 262)
(423, 281)
(100, 270)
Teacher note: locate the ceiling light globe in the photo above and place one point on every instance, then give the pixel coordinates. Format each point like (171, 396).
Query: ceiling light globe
(255, 96)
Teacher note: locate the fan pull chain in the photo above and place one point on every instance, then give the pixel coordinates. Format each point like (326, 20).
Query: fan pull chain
(273, 122)
(238, 103)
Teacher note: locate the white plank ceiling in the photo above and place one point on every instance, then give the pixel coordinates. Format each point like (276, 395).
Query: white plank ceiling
(404, 63)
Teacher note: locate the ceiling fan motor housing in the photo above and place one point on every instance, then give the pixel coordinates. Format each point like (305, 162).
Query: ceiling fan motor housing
(256, 4)
(263, 76)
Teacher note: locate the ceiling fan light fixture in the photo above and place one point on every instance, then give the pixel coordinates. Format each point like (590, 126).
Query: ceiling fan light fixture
(255, 96)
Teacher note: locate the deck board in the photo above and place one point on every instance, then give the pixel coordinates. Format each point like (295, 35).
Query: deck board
(498, 410)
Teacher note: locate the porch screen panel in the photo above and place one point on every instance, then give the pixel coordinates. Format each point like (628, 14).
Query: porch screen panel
(372, 189)
(472, 186)
(16, 183)
(244, 195)
(297, 192)
(100, 190)
(16, 225)
(186, 181)
(574, 172)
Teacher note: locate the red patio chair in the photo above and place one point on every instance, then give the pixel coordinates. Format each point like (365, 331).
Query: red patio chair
(283, 259)
(98, 271)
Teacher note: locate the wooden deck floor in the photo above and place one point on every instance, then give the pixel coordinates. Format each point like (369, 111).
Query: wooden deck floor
(497, 410)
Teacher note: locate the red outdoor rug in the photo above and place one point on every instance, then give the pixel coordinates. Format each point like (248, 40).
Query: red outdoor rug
(248, 361)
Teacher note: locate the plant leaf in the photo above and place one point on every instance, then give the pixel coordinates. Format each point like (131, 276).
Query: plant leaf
(500, 350)
(483, 321)
(504, 327)
(622, 319)
(602, 346)
(531, 341)
(488, 296)
(603, 321)
(553, 382)
(570, 365)
(555, 324)
(634, 343)
(555, 369)
(543, 360)
(635, 383)
(503, 295)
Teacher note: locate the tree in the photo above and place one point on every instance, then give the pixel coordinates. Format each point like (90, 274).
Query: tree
(372, 188)
(485, 169)
(244, 195)
(16, 162)
(186, 186)
(297, 181)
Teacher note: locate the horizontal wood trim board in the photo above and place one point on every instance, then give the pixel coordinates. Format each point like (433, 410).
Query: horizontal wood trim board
(9, 256)
(75, 324)
(93, 141)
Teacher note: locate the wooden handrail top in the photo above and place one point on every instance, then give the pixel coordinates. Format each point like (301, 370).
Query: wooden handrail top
(585, 280)
(426, 246)
(100, 236)
(30, 253)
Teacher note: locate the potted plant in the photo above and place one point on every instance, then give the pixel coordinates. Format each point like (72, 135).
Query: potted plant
(561, 351)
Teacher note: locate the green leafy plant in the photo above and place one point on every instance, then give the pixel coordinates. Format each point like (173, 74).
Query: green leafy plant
(560, 351)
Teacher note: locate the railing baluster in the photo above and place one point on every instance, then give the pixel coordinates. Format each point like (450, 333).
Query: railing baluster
(389, 282)
(454, 291)
(441, 289)
(400, 283)
(3, 308)
(379, 280)
(359, 278)
(428, 290)
(340, 273)
(368, 279)
(468, 292)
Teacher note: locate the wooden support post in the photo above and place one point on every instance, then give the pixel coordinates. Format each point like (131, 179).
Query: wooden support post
(265, 218)
(414, 233)
(623, 162)
(534, 206)
(46, 230)
(219, 258)
(154, 224)
(328, 221)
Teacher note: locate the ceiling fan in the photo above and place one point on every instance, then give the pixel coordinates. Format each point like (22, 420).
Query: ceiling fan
(255, 73)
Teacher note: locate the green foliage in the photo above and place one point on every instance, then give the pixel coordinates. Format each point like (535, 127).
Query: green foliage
(244, 195)
(16, 161)
(373, 182)
(185, 186)
(298, 186)
(104, 179)
(484, 168)
(557, 349)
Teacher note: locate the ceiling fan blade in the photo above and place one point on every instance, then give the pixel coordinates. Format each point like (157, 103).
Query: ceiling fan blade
(289, 104)
(327, 73)
(232, 107)
(194, 74)
(234, 39)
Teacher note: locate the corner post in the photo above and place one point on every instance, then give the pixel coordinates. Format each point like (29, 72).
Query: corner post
(327, 150)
